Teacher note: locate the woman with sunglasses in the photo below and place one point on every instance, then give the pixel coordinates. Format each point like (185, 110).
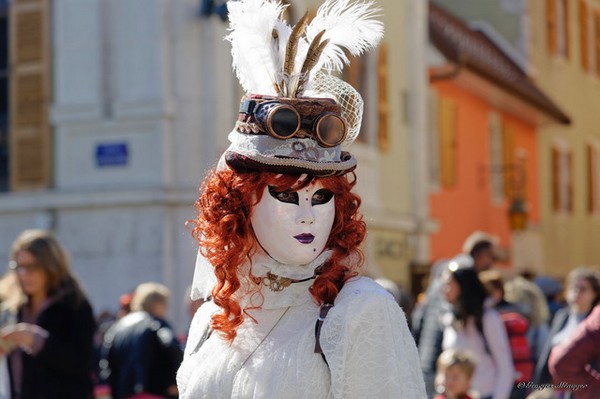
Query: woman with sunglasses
(50, 348)
(279, 230)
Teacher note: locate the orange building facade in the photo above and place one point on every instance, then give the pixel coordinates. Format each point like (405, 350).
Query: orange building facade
(485, 116)
(468, 203)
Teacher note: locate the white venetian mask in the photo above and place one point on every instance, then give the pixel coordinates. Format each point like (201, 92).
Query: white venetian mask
(293, 226)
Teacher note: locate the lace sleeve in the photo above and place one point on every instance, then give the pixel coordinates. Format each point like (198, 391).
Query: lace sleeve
(368, 346)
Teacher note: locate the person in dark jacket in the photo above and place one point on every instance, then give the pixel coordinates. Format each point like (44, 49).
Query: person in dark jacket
(427, 328)
(51, 345)
(141, 353)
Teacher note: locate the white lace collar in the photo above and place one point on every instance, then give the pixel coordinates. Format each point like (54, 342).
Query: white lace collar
(295, 294)
(263, 264)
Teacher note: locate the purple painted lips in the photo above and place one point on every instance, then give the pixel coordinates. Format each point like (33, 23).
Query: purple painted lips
(305, 238)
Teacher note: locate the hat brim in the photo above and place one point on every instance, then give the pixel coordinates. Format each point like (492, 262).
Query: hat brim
(244, 163)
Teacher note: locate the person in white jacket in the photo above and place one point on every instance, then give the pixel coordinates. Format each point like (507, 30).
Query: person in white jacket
(279, 228)
(473, 326)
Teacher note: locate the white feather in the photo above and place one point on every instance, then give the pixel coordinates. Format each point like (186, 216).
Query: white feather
(251, 24)
(348, 26)
(284, 31)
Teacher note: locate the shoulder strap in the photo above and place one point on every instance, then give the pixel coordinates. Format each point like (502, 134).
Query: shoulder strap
(322, 315)
(205, 335)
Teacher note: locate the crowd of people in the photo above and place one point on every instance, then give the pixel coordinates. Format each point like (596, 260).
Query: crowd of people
(502, 336)
(52, 345)
(478, 334)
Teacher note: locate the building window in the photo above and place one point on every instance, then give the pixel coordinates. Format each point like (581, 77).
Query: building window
(593, 177)
(562, 180)
(508, 159)
(496, 158)
(364, 75)
(504, 171)
(557, 22)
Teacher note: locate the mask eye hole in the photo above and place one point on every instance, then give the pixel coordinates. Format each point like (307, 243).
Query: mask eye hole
(321, 197)
(289, 197)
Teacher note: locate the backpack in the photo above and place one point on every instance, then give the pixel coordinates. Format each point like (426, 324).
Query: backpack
(516, 328)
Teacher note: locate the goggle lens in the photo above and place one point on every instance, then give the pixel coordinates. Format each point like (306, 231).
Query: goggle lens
(331, 130)
(283, 122)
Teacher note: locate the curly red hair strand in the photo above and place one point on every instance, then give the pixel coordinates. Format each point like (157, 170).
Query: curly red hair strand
(225, 237)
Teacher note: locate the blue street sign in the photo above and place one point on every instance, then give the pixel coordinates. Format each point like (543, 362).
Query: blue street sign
(111, 154)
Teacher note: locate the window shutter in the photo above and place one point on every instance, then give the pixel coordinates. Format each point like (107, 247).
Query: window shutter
(591, 178)
(597, 40)
(551, 26)
(30, 133)
(555, 179)
(569, 181)
(447, 130)
(566, 28)
(583, 34)
(354, 74)
(383, 105)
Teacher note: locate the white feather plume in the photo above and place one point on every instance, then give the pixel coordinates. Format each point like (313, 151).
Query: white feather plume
(259, 54)
(283, 30)
(251, 24)
(347, 25)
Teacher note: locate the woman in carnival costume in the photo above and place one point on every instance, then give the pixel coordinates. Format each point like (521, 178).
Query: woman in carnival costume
(278, 227)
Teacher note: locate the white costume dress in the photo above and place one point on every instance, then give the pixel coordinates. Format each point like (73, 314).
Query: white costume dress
(369, 350)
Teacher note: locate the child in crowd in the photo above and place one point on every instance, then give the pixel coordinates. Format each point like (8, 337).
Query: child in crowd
(455, 369)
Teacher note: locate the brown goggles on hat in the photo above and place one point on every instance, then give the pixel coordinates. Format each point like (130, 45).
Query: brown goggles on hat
(284, 118)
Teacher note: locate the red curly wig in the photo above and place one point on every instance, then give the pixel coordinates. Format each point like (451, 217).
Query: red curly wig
(225, 236)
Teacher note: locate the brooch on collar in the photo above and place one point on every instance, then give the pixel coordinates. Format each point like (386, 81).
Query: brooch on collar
(277, 283)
